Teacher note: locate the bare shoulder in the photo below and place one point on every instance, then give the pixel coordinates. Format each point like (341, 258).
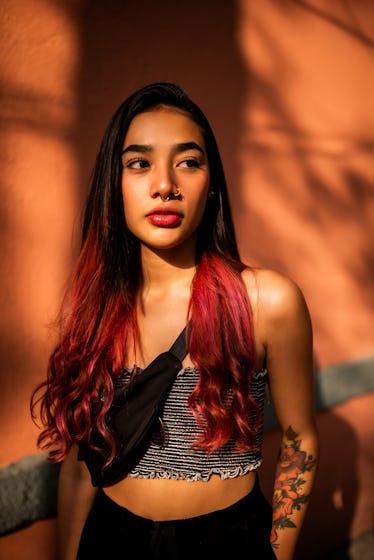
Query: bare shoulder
(275, 298)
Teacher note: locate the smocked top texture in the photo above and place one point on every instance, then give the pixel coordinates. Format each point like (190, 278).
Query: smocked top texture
(170, 454)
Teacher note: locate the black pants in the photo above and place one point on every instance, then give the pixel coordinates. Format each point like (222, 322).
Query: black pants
(241, 530)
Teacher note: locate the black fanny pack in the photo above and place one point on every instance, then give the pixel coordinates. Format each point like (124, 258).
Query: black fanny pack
(133, 417)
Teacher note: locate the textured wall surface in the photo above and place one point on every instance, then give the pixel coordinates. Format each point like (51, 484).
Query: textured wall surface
(288, 89)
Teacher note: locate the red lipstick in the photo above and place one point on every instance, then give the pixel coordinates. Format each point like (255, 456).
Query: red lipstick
(164, 217)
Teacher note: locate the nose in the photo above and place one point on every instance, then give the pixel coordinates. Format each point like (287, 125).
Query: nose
(163, 182)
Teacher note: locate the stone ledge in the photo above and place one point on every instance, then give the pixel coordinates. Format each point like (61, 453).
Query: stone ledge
(334, 385)
(28, 492)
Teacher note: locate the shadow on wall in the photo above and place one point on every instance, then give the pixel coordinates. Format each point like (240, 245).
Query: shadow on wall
(332, 508)
(194, 47)
(351, 24)
(305, 203)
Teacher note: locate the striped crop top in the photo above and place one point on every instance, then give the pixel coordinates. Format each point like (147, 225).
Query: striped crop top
(170, 454)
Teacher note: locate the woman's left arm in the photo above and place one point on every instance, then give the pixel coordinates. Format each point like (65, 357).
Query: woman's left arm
(289, 358)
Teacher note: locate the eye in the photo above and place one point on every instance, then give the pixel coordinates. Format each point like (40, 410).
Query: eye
(138, 163)
(189, 163)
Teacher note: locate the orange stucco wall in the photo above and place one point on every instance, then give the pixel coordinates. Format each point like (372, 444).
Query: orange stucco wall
(287, 87)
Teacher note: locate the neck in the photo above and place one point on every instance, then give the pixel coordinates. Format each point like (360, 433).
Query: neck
(164, 269)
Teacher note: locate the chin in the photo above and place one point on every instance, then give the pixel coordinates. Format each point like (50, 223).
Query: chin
(177, 245)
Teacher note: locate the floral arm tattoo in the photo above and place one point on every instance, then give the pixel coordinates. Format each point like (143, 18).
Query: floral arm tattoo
(289, 496)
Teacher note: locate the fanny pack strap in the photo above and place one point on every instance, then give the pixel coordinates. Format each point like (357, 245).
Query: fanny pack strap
(133, 414)
(179, 347)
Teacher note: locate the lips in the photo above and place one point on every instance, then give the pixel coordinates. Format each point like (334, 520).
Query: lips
(164, 217)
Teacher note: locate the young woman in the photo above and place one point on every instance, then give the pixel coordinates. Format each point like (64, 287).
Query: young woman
(159, 252)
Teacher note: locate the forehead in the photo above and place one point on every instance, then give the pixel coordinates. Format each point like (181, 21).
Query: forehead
(163, 124)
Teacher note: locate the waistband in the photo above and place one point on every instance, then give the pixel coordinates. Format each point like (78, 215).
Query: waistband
(254, 502)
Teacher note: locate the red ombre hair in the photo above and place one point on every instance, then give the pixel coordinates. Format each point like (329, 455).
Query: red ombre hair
(98, 321)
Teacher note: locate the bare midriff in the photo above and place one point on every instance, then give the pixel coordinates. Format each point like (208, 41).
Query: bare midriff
(164, 499)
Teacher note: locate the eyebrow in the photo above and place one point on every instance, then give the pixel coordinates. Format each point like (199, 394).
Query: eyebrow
(185, 146)
(142, 148)
(181, 147)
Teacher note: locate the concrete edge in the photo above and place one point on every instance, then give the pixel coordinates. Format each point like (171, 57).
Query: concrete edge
(334, 385)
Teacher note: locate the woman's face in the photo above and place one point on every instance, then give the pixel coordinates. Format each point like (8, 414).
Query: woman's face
(164, 154)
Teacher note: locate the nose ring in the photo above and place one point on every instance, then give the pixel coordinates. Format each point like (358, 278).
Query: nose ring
(171, 196)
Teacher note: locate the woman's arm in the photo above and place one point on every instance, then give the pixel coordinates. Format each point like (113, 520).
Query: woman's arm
(287, 335)
(75, 497)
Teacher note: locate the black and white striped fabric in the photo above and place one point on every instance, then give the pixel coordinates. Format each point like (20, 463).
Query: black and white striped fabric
(170, 454)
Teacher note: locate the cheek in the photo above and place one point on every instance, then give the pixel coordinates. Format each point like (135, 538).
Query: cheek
(202, 197)
(131, 193)
(199, 209)
(131, 198)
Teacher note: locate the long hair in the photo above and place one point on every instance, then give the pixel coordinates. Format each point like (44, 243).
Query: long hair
(98, 320)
